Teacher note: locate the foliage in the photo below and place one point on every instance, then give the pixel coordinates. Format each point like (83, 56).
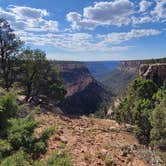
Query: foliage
(58, 159)
(143, 106)
(5, 148)
(46, 133)
(18, 159)
(158, 122)
(9, 48)
(30, 68)
(8, 109)
(39, 81)
(18, 133)
(38, 77)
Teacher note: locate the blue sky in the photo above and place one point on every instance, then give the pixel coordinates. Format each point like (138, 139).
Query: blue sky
(87, 30)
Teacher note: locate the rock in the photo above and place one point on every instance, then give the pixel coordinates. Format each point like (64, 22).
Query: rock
(155, 72)
(84, 93)
(63, 140)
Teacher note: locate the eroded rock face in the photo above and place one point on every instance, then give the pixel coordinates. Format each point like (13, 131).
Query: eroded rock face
(76, 76)
(155, 72)
(84, 93)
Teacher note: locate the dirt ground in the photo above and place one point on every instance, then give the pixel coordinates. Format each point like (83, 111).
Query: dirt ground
(91, 142)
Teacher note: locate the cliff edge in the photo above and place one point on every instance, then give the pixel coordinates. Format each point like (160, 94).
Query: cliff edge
(155, 72)
(84, 94)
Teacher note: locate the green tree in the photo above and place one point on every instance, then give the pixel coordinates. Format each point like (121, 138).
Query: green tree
(38, 77)
(137, 107)
(158, 122)
(9, 47)
(8, 109)
(141, 112)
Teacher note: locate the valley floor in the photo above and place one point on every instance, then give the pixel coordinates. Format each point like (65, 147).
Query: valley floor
(95, 142)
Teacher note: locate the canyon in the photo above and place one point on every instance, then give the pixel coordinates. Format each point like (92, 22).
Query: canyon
(84, 95)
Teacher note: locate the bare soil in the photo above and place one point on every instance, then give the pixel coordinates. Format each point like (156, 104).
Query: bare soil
(92, 142)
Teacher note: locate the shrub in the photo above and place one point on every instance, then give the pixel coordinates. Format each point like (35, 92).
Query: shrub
(158, 122)
(38, 149)
(59, 160)
(137, 106)
(55, 159)
(18, 159)
(20, 132)
(5, 148)
(8, 109)
(46, 133)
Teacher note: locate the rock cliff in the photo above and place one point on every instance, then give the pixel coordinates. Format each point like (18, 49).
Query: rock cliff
(84, 93)
(156, 72)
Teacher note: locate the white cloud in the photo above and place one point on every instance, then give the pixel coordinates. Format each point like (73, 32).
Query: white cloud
(71, 42)
(141, 20)
(116, 38)
(108, 12)
(118, 13)
(77, 22)
(84, 42)
(144, 5)
(159, 11)
(29, 19)
(27, 12)
(102, 13)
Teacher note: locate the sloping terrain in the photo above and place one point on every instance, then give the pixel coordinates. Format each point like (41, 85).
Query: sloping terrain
(84, 93)
(94, 142)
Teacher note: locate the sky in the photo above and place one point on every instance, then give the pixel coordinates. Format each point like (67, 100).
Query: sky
(88, 30)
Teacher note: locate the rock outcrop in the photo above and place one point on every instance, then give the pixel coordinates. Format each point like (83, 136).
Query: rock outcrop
(155, 72)
(84, 93)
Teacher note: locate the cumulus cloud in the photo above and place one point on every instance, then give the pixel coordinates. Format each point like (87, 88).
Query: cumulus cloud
(118, 13)
(144, 5)
(79, 42)
(109, 12)
(159, 11)
(33, 25)
(28, 19)
(116, 38)
(102, 13)
(27, 12)
(77, 22)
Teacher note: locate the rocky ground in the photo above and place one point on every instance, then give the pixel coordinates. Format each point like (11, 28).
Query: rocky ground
(95, 142)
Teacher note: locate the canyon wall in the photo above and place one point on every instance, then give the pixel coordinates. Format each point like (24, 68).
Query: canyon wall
(155, 72)
(84, 93)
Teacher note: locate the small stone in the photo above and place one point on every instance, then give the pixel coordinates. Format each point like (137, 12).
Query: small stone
(64, 140)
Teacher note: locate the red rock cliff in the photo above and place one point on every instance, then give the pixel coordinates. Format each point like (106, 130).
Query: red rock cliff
(156, 72)
(84, 93)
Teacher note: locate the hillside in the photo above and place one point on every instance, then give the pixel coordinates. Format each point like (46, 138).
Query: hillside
(92, 142)
(84, 94)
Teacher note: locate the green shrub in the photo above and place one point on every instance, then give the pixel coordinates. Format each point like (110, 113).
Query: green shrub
(18, 159)
(5, 148)
(55, 159)
(8, 108)
(137, 106)
(38, 149)
(61, 159)
(20, 132)
(46, 133)
(158, 122)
